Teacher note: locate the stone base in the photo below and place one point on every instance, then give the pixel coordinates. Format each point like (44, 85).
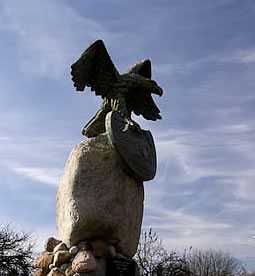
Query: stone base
(86, 259)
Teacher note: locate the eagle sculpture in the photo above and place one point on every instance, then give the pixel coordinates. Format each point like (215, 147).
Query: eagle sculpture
(124, 93)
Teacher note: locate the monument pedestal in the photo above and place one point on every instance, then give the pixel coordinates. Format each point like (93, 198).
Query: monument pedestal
(99, 216)
(83, 260)
(114, 267)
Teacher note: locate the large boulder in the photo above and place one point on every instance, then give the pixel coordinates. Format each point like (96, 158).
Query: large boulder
(96, 199)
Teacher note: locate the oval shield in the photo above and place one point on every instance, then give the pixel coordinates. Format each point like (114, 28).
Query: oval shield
(135, 146)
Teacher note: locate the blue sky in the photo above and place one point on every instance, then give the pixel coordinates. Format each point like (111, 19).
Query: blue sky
(203, 55)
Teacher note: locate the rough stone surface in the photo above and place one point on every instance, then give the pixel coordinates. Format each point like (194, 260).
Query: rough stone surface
(69, 271)
(64, 266)
(61, 257)
(73, 250)
(43, 261)
(84, 261)
(100, 249)
(51, 266)
(50, 244)
(60, 247)
(99, 271)
(40, 273)
(96, 199)
(85, 245)
(56, 272)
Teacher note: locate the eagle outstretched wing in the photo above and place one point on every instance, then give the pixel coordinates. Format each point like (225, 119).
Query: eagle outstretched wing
(94, 69)
(142, 68)
(145, 106)
(139, 99)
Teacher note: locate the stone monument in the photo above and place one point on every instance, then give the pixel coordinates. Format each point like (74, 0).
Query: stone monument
(100, 196)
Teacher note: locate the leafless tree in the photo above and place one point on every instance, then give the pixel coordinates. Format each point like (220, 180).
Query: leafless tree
(154, 260)
(16, 250)
(214, 263)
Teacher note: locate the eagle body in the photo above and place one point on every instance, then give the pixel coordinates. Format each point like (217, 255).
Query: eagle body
(126, 93)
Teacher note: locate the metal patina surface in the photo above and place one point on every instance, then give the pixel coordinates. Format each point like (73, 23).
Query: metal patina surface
(134, 146)
(122, 94)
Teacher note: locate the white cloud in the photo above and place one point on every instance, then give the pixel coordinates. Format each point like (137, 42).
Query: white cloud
(178, 219)
(240, 56)
(204, 234)
(180, 230)
(226, 157)
(47, 33)
(38, 158)
(243, 56)
(45, 175)
(237, 241)
(192, 151)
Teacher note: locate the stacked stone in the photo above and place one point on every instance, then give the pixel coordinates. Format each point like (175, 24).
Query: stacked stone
(85, 257)
(99, 213)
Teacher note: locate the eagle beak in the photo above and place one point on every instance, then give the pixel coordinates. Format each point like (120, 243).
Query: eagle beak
(155, 88)
(158, 91)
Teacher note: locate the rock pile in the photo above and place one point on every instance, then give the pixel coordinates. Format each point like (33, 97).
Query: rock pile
(85, 257)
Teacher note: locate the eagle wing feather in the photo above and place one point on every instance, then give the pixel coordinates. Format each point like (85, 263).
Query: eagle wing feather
(94, 69)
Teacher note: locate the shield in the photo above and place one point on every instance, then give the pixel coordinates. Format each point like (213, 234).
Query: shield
(134, 146)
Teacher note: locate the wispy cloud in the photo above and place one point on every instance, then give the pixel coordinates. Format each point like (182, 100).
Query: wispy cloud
(242, 56)
(239, 57)
(183, 229)
(47, 34)
(41, 159)
(226, 152)
(178, 219)
(49, 176)
(204, 189)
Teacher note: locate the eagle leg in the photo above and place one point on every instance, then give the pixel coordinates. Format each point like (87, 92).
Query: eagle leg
(96, 125)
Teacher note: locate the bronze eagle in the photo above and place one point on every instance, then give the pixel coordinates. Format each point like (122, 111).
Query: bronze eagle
(125, 93)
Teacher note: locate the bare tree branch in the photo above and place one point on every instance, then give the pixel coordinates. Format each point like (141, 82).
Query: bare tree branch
(16, 251)
(154, 260)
